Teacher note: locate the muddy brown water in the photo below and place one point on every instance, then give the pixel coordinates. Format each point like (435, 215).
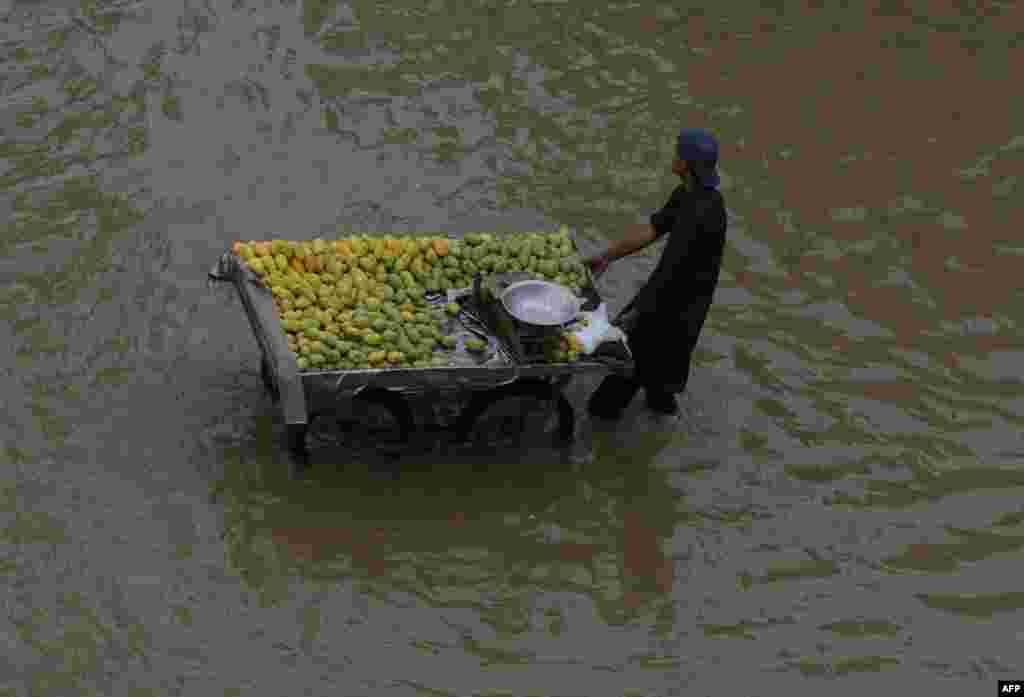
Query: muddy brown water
(837, 508)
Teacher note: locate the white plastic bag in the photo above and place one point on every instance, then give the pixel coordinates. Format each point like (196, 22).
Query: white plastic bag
(598, 331)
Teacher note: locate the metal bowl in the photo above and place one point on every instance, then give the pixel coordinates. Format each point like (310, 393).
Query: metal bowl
(540, 303)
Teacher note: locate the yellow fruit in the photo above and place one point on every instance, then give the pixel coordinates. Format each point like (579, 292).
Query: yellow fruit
(441, 247)
(377, 356)
(319, 246)
(343, 248)
(396, 357)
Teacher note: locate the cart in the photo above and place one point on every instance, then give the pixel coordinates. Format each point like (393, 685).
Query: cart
(312, 398)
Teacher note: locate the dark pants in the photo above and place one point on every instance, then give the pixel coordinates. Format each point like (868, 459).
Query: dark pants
(615, 393)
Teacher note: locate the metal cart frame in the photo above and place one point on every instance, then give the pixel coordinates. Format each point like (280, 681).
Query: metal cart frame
(303, 395)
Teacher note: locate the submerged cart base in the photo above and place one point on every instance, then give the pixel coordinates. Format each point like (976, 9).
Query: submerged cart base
(305, 397)
(404, 428)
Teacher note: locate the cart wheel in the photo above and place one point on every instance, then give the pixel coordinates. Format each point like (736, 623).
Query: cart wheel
(268, 381)
(378, 421)
(502, 417)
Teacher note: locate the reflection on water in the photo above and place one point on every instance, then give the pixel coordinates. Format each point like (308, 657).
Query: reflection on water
(840, 486)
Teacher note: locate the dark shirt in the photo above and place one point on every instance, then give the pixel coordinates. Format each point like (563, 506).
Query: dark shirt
(685, 279)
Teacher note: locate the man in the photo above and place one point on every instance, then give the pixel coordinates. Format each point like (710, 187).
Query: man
(664, 320)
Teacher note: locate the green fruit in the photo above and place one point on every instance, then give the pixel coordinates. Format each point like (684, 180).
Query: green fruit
(475, 345)
(311, 324)
(452, 308)
(448, 342)
(373, 339)
(317, 359)
(302, 362)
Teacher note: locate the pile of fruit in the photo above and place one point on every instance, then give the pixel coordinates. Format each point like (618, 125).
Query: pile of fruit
(360, 302)
(563, 348)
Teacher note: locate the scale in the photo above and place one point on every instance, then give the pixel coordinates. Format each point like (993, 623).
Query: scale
(524, 341)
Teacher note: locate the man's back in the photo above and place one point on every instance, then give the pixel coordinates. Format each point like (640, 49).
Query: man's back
(687, 274)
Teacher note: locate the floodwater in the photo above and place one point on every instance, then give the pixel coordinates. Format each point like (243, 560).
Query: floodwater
(837, 508)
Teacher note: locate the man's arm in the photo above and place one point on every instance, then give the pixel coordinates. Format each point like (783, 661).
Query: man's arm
(636, 238)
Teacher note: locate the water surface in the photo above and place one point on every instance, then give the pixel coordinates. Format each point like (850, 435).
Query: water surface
(839, 500)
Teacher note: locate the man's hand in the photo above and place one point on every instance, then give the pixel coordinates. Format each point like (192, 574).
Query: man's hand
(598, 263)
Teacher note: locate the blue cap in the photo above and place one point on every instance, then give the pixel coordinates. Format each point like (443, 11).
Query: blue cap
(699, 149)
